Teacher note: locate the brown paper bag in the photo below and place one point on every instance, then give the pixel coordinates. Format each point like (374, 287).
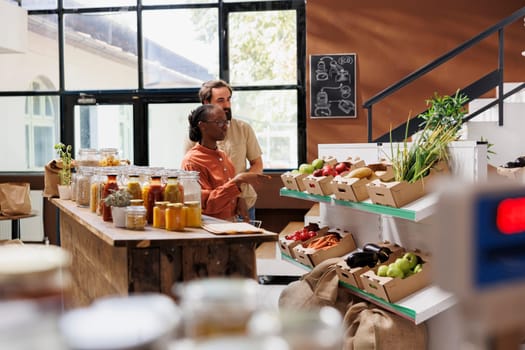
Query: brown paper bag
(14, 198)
(51, 178)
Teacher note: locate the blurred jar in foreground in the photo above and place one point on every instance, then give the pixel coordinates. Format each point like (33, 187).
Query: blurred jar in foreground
(216, 307)
(320, 329)
(34, 285)
(141, 321)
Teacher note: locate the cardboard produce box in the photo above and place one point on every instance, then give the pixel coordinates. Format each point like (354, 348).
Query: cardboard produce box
(286, 245)
(354, 189)
(319, 185)
(396, 193)
(293, 181)
(352, 276)
(312, 257)
(516, 174)
(394, 289)
(349, 188)
(399, 193)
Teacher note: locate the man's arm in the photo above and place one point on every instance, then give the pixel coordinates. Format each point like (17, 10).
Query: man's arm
(256, 166)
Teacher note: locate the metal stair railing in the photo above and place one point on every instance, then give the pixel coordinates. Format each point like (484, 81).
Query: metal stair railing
(474, 90)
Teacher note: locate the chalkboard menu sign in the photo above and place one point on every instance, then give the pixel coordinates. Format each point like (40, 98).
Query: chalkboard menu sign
(332, 86)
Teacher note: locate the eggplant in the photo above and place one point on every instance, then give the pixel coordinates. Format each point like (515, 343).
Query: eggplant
(362, 259)
(383, 253)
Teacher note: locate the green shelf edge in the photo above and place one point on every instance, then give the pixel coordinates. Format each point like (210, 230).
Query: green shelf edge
(368, 207)
(400, 310)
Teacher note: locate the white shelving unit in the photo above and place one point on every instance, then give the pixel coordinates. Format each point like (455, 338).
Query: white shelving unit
(408, 226)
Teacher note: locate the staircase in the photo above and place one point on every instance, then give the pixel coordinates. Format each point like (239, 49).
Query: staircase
(498, 120)
(508, 140)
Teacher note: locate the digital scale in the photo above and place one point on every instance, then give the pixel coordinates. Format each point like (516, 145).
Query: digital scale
(479, 249)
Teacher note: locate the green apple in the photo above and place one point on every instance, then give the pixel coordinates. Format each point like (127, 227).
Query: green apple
(418, 268)
(403, 264)
(306, 168)
(382, 270)
(318, 163)
(411, 258)
(394, 271)
(295, 171)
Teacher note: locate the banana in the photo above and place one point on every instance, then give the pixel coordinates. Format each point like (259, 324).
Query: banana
(360, 173)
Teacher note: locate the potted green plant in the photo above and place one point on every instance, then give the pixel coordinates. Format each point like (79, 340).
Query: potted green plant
(118, 201)
(64, 175)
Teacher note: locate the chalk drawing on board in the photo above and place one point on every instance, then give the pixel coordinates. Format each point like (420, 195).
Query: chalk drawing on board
(332, 86)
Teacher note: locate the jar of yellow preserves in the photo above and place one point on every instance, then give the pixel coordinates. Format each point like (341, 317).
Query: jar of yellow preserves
(175, 217)
(173, 191)
(159, 214)
(193, 214)
(134, 187)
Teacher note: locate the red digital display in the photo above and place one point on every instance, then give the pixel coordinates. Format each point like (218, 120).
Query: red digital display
(510, 217)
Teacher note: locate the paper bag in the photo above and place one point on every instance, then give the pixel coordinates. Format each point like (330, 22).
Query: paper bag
(14, 198)
(51, 179)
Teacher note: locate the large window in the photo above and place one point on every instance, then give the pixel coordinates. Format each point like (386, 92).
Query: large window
(142, 62)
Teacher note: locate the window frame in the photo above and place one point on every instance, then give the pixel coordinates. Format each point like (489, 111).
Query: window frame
(142, 97)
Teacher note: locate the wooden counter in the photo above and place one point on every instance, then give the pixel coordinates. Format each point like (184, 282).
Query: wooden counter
(107, 260)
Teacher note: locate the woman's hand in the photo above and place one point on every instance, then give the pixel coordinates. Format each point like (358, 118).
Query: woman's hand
(250, 178)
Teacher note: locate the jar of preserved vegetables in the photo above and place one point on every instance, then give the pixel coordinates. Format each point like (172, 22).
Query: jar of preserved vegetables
(154, 195)
(134, 187)
(193, 213)
(159, 214)
(110, 186)
(173, 191)
(175, 217)
(109, 157)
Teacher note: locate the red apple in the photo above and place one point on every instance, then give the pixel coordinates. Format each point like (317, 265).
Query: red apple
(341, 167)
(328, 170)
(318, 173)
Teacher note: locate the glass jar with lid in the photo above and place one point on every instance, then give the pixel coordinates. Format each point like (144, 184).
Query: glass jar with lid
(133, 186)
(173, 190)
(88, 157)
(83, 186)
(109, 157)
(110, 186)
(154, 195)
(191, 185)
(135, 217)
(159, 214)
(96, 187)
(193, 213)
(175, 217)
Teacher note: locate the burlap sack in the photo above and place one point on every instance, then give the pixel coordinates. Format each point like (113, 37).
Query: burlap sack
(368, 327)
(319, 287)
(15, 198)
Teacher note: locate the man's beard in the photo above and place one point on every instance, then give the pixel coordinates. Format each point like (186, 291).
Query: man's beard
(228, 112)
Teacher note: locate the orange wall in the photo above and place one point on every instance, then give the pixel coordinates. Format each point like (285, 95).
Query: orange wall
(394, 38)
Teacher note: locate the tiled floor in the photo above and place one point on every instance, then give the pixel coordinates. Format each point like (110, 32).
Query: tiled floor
(270, 264)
